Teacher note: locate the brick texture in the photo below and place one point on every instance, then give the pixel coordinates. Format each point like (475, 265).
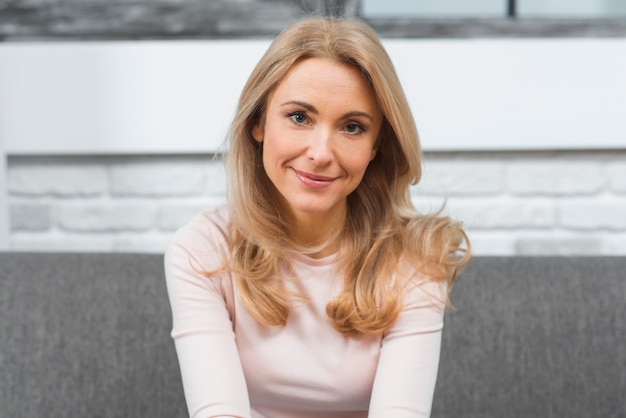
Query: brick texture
(57, 178)
(599, 214)
(560, 246)
(106, 217)
(172, 216)
(560, 178)
(156, 178)
(461, 178)
(30, 217)
(510, 203)
(618, 177)
(501, 215)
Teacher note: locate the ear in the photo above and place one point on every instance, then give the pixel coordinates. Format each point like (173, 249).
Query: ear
(373, 155)
(258, 132)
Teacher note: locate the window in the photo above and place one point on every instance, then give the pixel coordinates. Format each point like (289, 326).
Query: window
(571, 9)
(441, 8)
(494, 8)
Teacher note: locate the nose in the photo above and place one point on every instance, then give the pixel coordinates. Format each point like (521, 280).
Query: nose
(320, 146)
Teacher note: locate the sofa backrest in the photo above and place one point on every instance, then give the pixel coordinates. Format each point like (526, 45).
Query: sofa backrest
(535, 337)
(88, 335)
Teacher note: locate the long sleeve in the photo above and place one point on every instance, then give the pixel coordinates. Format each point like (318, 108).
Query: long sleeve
(232, 366)
(409, 359)
(212, 374)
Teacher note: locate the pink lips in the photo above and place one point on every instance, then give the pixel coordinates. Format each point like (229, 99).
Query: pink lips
(313, 180)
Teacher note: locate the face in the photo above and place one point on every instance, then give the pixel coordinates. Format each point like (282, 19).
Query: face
(319, 135)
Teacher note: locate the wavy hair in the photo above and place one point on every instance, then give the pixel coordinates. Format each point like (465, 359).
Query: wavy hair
(382, 232)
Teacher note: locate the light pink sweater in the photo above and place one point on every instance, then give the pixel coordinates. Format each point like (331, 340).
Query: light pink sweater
(234, 367)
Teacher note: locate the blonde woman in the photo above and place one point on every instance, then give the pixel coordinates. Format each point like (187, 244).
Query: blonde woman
(318, 291)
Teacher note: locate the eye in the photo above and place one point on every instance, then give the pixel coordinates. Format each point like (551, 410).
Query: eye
(354, 128)
(298, 118)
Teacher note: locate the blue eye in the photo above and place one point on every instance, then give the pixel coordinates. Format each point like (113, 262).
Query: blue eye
(298, 117)
(354, 128)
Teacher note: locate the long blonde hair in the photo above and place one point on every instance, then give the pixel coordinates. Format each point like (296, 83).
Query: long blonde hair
(382, 229)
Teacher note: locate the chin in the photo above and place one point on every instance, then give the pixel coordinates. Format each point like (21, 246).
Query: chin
(312, 206)
(318, 211)
(312, 210)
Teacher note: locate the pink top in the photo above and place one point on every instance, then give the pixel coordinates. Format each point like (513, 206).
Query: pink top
(234, 367)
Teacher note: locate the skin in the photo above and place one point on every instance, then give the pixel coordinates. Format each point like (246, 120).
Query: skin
(319, 135)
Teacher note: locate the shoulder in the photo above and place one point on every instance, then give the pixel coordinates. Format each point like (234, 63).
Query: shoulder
(203, 239)
(419, 288)
(437, 246)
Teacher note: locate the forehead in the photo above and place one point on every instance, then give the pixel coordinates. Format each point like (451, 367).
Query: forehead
(328, 79)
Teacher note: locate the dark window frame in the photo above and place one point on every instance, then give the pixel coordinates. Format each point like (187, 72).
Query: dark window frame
(221, 19)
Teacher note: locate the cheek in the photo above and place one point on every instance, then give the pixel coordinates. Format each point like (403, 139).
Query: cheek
(363, 164)
(276, 153)
(357, 160)
(272, 149)
(280, 145)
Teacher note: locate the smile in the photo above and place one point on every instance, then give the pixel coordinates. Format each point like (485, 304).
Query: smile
(313, 181)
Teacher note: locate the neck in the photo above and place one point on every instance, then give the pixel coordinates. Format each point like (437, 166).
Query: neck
(319, 230)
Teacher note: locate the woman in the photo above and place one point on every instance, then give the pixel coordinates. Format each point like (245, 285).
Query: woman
(318, 291)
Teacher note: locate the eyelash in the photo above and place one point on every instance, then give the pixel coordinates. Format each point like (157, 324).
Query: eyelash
(358, 126)
(291, 116)
(298, 113)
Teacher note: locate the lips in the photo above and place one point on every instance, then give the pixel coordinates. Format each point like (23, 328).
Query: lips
(314, 181)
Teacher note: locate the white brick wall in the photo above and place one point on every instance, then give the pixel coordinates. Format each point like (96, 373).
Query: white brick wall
(4, 210)
(566, 203)
(570, 203)
(107, 203)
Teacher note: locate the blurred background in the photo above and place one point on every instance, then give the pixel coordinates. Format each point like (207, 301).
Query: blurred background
(113, 115)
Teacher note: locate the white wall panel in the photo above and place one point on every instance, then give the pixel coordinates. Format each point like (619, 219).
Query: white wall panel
(179, 96)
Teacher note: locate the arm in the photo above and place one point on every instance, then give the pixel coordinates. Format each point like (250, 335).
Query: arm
(212, 375)
(407, 370)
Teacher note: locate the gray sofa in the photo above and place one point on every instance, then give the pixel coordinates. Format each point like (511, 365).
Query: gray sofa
(87, 335)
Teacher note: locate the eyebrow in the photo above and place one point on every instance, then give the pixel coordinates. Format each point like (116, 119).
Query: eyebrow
(313, 110)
